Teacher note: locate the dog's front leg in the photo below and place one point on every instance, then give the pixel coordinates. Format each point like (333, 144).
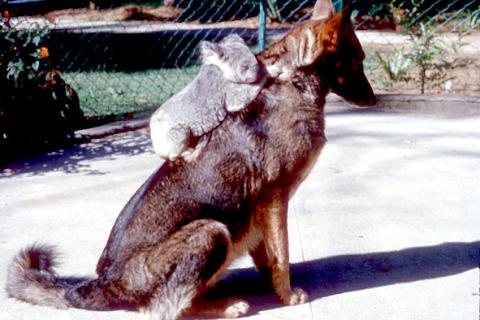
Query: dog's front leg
(271, 255)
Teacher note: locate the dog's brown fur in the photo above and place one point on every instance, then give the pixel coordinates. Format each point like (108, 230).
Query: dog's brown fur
(188, 221)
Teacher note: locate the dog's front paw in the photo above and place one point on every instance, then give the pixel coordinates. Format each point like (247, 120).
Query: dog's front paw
(298, 296)
(236, 309)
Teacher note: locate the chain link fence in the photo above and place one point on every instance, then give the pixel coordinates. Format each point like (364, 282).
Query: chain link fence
(125, 57)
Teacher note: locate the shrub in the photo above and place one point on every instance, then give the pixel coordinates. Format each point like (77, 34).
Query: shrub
(430, 58)
(38, 110)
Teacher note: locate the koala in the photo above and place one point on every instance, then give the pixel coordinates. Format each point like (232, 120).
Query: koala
(229, 79)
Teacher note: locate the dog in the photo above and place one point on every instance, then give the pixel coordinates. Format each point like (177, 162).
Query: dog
(185, 225)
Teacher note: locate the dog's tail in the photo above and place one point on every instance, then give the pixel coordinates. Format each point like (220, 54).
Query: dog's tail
(31, 278)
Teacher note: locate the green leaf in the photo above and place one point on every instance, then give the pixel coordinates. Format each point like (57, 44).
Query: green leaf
(35, 65)
(36, 40)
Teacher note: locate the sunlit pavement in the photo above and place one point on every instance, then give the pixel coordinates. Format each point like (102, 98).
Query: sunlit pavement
(387, 226)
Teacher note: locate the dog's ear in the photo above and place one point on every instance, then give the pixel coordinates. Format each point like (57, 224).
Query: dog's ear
(345, 15)
(335, 27)
(341, 19)
(323, 9)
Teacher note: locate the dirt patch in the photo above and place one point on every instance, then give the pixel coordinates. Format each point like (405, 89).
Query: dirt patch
(462, 77)
(148, 14)
(127, 13)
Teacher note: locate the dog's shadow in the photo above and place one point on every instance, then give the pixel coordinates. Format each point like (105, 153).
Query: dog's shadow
(339, 274)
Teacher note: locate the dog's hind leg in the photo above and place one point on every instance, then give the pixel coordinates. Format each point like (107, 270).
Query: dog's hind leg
(179, 268)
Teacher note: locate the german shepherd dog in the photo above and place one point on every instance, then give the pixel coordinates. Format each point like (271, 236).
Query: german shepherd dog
(190, 220)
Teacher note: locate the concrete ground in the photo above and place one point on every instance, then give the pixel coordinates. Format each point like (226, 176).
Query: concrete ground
(385, 227)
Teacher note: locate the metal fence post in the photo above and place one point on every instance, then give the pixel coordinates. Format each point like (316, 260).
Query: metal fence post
(338, 5)
(262, 24)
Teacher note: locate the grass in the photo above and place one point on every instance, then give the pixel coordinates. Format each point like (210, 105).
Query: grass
(105, 93)
(118, 93)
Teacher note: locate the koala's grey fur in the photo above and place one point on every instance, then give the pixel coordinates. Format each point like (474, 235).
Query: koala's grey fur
(229, 80)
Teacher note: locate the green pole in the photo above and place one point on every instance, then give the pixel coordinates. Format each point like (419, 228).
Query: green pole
(338, 5)
(262, 25)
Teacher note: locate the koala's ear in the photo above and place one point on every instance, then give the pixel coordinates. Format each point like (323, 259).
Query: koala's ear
(233, 37)
(210, 50)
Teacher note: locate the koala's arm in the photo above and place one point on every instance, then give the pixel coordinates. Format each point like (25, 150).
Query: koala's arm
(169, 139)
(206, 101)
(240, 95)
(195, 111)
